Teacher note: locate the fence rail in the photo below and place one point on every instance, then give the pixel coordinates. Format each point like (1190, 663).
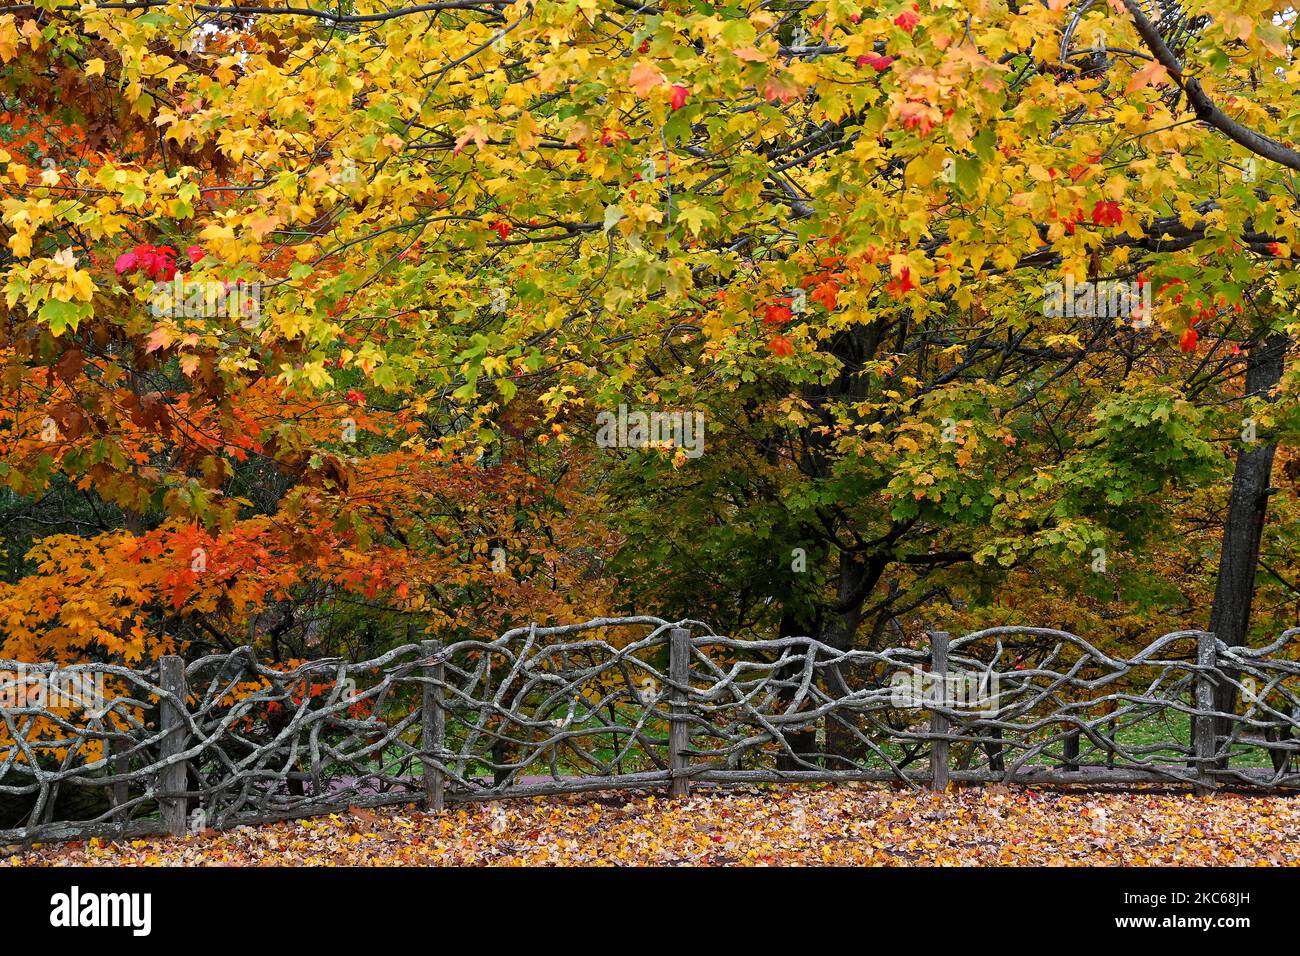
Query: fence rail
(626, 703)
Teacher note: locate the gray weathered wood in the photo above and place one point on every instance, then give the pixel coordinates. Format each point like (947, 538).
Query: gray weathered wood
(434, 725)
(646, 779)
(938, 722)
(517, 707)
(81, 830)
(679, 733)
(172, 779)
(121, 765)
(1154, 774)
(1204, 724)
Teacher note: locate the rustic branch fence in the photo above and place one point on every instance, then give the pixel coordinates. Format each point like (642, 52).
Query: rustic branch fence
(626, 703)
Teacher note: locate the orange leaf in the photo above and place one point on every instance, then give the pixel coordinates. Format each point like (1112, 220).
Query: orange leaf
(1153, 74)
(645, 77)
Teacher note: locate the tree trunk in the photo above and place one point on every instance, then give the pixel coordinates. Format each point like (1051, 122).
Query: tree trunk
(1244, 527)
(856, 579)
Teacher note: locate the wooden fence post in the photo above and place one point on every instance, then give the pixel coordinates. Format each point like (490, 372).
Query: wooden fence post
(679, 731)
(938, 722)
(1204, 722)
(120, 765)
(433, 721)
(1070, 750)
(172, 780)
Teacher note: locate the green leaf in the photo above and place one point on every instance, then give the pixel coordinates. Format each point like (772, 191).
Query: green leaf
(63, 316)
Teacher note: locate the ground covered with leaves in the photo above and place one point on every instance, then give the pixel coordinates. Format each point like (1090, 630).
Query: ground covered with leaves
(846, 825)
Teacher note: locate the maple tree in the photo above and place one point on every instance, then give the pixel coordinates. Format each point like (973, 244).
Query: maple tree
(470, 225)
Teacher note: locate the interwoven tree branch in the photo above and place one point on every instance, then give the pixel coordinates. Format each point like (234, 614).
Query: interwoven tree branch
(588, 706)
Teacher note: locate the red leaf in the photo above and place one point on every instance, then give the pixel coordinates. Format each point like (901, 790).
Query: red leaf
(777, 315)
(906, 21)
(1107, 214)
(902, 285)
(878, 63)
(780, 345)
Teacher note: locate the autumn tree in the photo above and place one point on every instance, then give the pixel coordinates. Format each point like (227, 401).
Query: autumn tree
(831, 228)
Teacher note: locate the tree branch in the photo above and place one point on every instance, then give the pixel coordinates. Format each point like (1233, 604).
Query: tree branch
(1201, 103)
